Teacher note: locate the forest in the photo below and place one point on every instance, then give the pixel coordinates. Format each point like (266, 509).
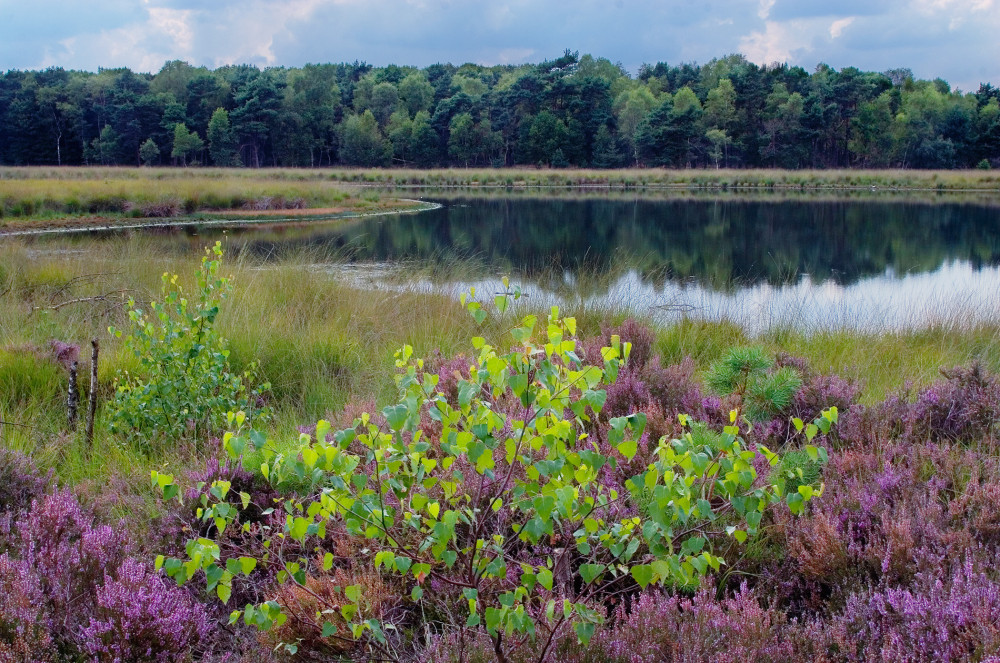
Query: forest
(571, 111)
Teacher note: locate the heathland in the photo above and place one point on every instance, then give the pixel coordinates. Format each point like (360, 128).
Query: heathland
(515, 483)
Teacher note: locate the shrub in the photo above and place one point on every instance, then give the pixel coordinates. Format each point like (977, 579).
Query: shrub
(492, 510)
(186, 387)
(940, 620)
(20, 484)
(744, 373)
(965, 406)
(659, 627)
(24, 634)
(139, 618)
(61, 545)
(69, 590)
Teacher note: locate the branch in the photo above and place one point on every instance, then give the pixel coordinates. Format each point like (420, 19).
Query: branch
(80, 300)
(16, 425)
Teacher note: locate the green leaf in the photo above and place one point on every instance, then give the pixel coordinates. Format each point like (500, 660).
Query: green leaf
(628, 448)
(396, 415)
(642, 574)
(329, 629)
(590, 572)
(584, 632)
(545, 578)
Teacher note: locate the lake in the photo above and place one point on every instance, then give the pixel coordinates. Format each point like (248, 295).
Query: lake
(871, 262)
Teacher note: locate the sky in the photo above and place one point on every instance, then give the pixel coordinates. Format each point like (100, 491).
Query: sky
(956, 40)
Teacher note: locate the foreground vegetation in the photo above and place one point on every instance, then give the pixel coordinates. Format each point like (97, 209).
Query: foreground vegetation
(571, 111)
(891, 558)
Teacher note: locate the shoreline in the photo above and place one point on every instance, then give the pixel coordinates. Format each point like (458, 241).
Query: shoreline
(969, 180)
(181, 222)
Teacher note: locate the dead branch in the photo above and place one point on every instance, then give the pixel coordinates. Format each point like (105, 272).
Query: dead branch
(107, 296)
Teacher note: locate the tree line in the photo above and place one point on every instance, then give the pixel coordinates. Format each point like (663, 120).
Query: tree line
(571, 111)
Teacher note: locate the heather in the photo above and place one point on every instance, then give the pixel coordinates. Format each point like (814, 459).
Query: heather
(893, 560)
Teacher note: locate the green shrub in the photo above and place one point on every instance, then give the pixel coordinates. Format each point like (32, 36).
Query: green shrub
(185, 388)
(493, 501)
(744, 372)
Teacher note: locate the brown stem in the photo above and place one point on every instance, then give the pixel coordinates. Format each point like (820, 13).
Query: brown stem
(498, 648)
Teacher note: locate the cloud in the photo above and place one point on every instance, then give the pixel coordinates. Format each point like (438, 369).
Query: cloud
(953, 39)
(175, 23)
(972, 6)
(514, 55)
(786, 41)
(837, 27)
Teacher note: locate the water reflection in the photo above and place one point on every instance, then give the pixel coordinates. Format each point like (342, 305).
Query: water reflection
(956, 294)
(722, 244)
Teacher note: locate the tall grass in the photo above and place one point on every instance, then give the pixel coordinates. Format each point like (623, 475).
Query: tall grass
(43, 194)
(516, 177)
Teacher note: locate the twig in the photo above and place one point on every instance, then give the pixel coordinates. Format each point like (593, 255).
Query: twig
(17, 425)
(80, 300)
(677, 308)
(78, 279)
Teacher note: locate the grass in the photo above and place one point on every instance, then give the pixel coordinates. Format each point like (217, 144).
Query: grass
(179, 178)
(882, 363)
(60, 198)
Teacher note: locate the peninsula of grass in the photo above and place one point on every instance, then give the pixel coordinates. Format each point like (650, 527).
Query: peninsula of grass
(62, 199)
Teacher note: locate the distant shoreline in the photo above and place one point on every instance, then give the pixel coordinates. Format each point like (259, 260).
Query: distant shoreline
(629, 178)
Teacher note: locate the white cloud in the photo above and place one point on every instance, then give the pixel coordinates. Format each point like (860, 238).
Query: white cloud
(837, 27)
(514, 55)
(778, 42)
(929, 6)
(765, 9)
(175, 23)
